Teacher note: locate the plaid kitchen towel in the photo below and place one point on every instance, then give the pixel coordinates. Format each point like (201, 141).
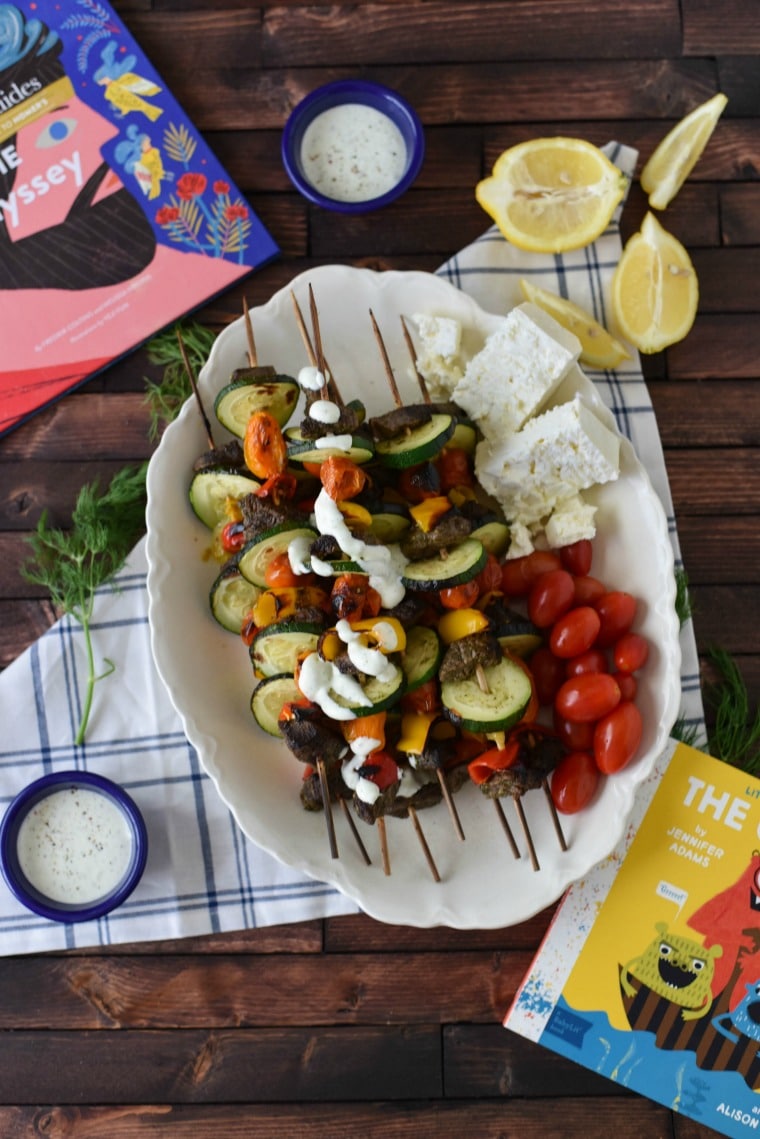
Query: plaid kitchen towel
(203, 875)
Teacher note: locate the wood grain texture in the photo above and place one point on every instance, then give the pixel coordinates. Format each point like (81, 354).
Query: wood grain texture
(347, 1026)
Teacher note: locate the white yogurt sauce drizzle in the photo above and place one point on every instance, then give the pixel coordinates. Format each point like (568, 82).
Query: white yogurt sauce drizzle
(324, 411)
(353, 153)
(311, 379)
(74, 846)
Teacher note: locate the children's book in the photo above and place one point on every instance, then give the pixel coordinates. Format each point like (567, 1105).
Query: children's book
(115, 217)
(650, 971)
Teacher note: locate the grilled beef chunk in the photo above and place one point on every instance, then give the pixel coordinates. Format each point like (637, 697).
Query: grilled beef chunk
(450, 531)
(408, 610)
(227, 457)
(371, 812)
(346, 424)
(401, 419)
(428, 794)
(309, 615)
(310, 736)
(538, 753)
(260, 515)
(463, 656)
(326, 548)
(311, 788)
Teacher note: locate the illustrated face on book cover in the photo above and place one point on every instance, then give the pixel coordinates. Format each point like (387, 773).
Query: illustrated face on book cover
(57, 193)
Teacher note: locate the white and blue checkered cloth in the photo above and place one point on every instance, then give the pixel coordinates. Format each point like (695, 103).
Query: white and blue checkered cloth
(203, 875)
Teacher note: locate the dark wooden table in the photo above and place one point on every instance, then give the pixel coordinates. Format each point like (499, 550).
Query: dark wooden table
(349, 1027)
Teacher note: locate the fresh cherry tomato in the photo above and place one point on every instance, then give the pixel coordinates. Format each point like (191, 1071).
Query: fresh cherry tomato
(617, 611)
(630, 653)
(548, 674)
(575, 632)
(575, 737)
(617, 737)
(460, 596)
(592, 661)
(518, 574)
(551, 595)
(280, 572)
(588, 590)
(577, 557)
(232, 537)
(627, 684)
(587, 698)
(574, 782)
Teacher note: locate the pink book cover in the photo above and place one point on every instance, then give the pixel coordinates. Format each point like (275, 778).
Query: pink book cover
(115, 217)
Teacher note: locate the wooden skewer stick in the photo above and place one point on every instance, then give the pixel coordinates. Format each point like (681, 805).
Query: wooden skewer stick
(555, 817)
(355, 831)
(482, 678)
(386, 362)
(194, 386)
(383, 834)
(528, 837)
(506, 827)
(420, 378)
(327, 807)
(311, 353)
(252, 355)
(450, 804)
(424, 845)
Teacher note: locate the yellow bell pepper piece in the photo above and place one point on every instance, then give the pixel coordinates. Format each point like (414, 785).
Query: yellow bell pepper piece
(430, 511)
(414, 731)
(355, 514)
(387, 633)
(458, 623)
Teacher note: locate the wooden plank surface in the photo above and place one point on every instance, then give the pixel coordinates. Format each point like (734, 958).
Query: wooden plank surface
(349, 1027)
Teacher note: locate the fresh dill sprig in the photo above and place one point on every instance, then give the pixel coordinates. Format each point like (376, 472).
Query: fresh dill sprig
(71, 564)
(735, 736)
(683, 597)
(686, 733)
(165, 398)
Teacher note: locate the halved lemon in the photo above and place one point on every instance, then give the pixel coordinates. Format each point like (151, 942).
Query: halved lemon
(598, 348)
(549, 195)
(654, 289)
(677, 154)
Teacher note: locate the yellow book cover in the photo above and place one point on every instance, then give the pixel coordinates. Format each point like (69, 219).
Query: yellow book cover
(650, 971)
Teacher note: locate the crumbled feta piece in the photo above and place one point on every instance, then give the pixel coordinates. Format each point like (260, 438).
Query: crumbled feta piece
(438, 356)
(519, 367)
(572, 520)
(520, 541)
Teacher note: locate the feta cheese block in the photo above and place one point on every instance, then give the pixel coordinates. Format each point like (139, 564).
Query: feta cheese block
(438, 357)
(555, 455)
(519, 367)
(571, 521)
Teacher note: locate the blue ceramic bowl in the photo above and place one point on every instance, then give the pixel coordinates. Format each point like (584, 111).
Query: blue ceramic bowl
(29, 893)
(340, 93)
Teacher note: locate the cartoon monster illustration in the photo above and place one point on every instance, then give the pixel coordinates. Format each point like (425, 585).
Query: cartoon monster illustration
(122, 88)
(676, 968)
(745, 1017)
(733, 918)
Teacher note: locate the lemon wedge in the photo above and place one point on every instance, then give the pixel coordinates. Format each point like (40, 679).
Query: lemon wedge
(677, 154)
(654, 289)
(598, 348)
(549, 195)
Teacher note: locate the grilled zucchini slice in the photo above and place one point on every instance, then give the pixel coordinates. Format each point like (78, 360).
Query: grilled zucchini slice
(209, 491)
(506, 702)
(258, 553)
(462, 563)
(268, 698)
(232, 597)
(248, 393)
(418, 445)
(421, 658)
(276, 648)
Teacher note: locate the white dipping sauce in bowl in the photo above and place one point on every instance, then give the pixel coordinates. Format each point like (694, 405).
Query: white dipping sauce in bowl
(74, 846)
(353, 153)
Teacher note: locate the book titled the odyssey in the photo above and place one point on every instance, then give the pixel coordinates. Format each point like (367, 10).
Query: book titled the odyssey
(650, 971)
(115, 217)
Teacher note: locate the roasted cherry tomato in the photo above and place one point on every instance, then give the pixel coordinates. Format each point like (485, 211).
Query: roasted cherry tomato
(264, 446)
(617, 611)
(418, 483)
(460, 596)
(342, 478)
(232, 537)
(587, 698)
(588, 590)
(548, 674)
(518, 574)
(551, 595)
(630, 653)
(617, 737)
(577, 556)
(627, 684)
(489, 578)
(592, 661)
(280, 572)
(381, 769)
(575, 737)
(454, 468)
(574, 782)
(425, 698)
(575, 632)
